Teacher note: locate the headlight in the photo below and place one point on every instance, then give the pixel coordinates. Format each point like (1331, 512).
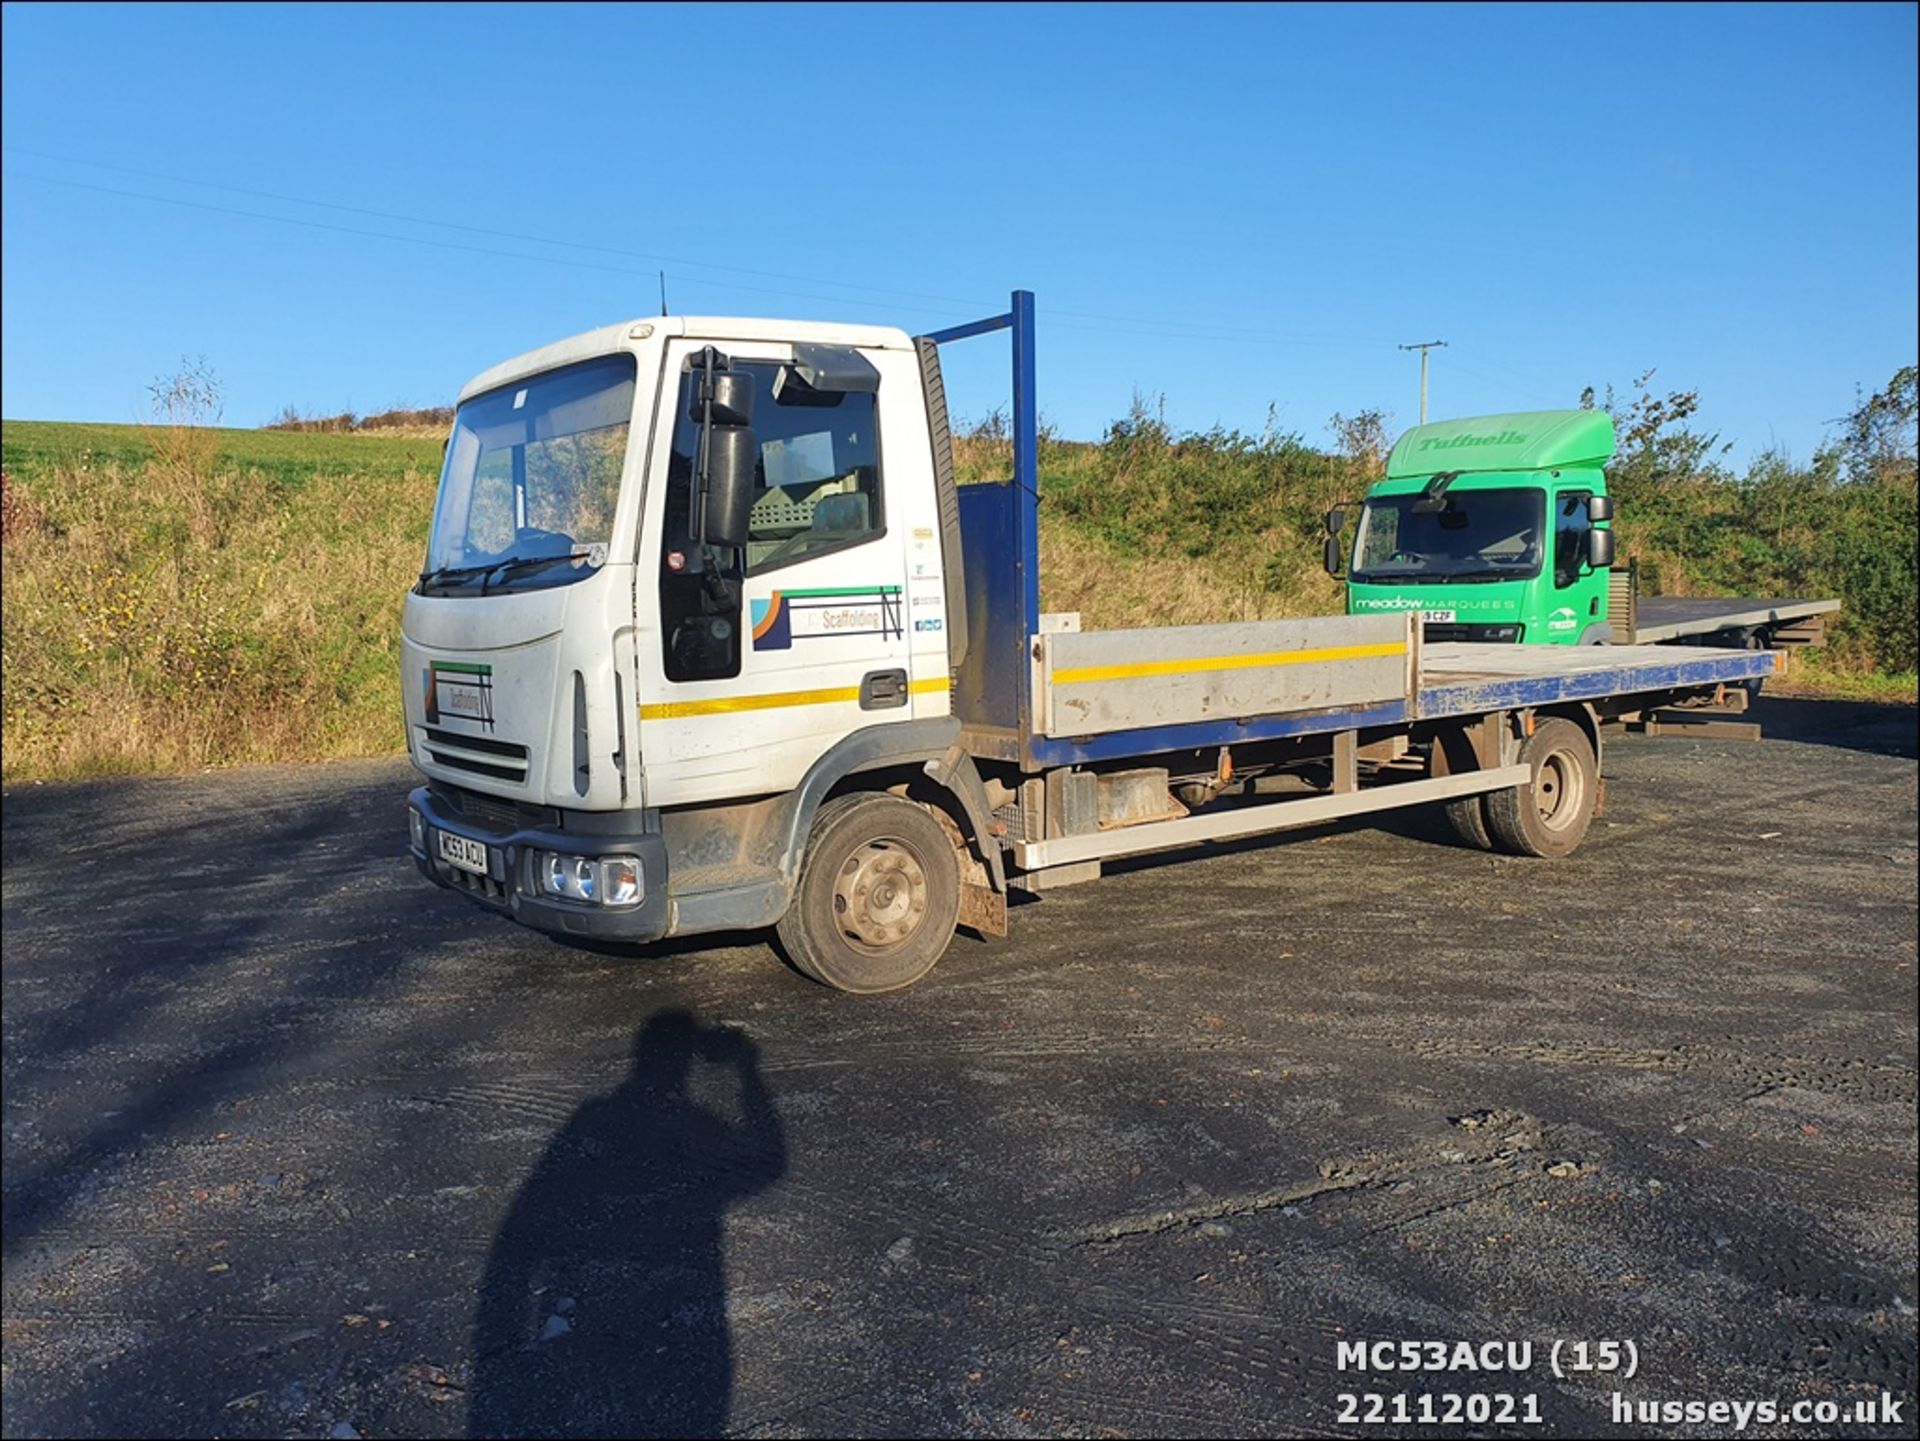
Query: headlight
(416, 830)
(605, 880)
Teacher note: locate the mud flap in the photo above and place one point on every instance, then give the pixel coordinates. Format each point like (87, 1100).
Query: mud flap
(983, 909)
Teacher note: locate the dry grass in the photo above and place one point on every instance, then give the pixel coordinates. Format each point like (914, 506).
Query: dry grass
(1113, 590)
(185, 598)
(1127, 538)
(191, 611)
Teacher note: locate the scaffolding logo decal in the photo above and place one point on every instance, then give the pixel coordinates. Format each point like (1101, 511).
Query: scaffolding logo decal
(787, 616)
(458, 690)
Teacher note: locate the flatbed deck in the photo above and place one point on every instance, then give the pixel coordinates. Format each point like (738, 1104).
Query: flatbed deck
(1666, 618)
(1108, 695)
(1463, 678)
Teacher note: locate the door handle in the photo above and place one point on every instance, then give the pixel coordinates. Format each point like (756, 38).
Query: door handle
(883, 689)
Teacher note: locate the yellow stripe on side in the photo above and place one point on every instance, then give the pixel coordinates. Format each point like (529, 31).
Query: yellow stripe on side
(1083, 674)
(733, 704)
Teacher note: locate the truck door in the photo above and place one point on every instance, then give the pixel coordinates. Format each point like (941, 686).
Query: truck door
(761, 657)
(1576, 602)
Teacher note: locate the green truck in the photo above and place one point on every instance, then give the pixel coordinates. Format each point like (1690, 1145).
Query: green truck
(1498, 528)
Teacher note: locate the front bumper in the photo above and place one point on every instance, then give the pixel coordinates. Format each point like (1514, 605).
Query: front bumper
(511, 838)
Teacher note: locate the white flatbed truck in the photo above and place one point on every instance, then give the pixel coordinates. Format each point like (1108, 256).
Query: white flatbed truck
(708, 640)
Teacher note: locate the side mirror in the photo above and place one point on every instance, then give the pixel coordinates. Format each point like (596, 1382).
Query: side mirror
(1330, 555)
(1599, 548)
(727, 514)
(723, 404)
(1600, 507)
(1336, 520)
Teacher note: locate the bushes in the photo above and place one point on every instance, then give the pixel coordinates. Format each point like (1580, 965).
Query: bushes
(432, 418)
(1155, 527)
(1842, 525)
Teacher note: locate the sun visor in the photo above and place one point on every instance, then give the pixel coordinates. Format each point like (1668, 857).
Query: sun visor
(1523, 440)
(826, 370)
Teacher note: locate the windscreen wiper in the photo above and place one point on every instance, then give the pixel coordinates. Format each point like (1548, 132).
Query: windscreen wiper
(513, 565)
(527, 563)
(457, 572)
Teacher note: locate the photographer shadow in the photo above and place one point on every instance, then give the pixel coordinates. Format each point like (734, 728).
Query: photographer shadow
(603, 1307)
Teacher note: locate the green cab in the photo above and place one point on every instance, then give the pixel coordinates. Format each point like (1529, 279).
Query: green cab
(1493, 528)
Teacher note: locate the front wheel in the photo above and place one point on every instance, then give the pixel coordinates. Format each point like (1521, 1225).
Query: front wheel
(878, 895)
(1550, 814)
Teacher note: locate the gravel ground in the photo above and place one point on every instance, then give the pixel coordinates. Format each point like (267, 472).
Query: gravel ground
(296, 1144)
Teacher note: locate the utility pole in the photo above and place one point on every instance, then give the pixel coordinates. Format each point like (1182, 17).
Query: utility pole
(1423, 347)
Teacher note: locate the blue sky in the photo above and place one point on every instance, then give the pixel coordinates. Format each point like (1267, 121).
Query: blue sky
(1235, 207)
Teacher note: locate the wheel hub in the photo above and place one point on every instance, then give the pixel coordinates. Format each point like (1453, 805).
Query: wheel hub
(1557, 791)
(880, 895)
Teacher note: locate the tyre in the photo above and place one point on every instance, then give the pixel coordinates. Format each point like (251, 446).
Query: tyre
(1549, 815)
(1468, 814)
(1468, 817)
(1756, 640)
(877, 898)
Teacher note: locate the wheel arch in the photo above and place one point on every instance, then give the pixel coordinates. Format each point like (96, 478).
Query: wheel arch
(1582, 715)
(921, 760)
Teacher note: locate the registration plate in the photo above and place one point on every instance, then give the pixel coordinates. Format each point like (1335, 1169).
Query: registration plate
(1439, 617)
(459, 851)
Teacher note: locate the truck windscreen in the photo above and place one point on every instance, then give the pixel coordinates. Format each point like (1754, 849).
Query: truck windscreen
(1475, 535)
(531, 479)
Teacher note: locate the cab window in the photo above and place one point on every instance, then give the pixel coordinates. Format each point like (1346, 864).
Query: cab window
(1570, 527)
(816, 491)
(817, 479)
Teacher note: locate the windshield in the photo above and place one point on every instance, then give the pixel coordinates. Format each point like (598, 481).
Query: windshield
(531, 479)
(1476, 535)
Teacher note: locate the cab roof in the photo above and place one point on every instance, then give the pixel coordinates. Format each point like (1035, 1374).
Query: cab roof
(1520, 440)
(610, 339)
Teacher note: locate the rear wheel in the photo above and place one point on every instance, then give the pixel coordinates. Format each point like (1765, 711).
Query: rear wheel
(878, 895)
(1468, 817)
(1550, 814)
(1453, 754)
(1755, 640)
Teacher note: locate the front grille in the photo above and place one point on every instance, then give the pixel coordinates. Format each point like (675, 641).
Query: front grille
(1432, 632)
(479, 755)
(486, 811)
(492, 813)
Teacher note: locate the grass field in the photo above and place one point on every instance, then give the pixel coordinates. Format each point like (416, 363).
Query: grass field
(37, 449)
(184, 598)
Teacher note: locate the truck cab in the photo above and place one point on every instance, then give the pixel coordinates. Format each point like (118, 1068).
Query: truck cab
(1492, 529)
(673, 562)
